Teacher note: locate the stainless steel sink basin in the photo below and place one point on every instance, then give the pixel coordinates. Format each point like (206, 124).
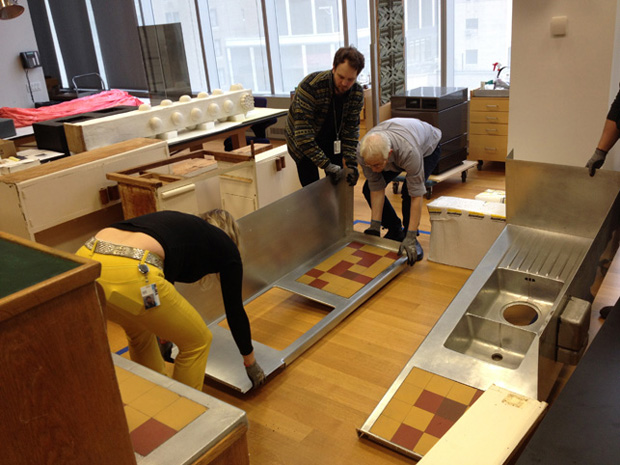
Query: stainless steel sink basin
(503, 318)
(514, 297)
(490, 341)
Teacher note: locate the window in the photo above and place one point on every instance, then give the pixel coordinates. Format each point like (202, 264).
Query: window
(474, 54)
(226, 41)
(155, 12)
(240, 36)
(422, 39)
(310, 32)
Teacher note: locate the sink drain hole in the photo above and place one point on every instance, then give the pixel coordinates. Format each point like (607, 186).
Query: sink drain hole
(520, 314)
(497, 357)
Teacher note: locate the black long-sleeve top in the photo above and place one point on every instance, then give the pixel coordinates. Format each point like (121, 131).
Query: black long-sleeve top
(195, 248)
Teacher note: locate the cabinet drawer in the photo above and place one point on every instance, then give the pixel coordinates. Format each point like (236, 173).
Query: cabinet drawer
(488, 147)
(488, 129)
(489, 104)
(492, 117)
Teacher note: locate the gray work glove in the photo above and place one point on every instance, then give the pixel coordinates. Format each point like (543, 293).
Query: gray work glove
(596, 161)
(256, 374)
(375, 228)
(412, 248)
(334, 172)
(353, 175)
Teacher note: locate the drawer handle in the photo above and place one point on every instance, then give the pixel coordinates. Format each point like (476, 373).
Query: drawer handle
(492, 106)
(178, 191)
(491, 130)
(491, 149)
(492, 118)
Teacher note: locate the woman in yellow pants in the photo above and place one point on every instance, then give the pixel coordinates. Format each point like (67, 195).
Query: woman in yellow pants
(141, 260)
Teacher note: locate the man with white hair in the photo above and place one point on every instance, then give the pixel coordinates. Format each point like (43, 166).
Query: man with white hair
(391, 147)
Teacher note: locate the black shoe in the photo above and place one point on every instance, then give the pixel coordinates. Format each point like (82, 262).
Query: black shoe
(395, 234)
(166, 351)
(605, 311)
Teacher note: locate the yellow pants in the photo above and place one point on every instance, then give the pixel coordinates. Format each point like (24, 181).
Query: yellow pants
(174, 319)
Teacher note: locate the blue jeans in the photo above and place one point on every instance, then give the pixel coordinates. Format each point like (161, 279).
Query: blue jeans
(389, 218)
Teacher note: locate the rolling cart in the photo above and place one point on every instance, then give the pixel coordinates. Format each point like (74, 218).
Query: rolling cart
(433, 179)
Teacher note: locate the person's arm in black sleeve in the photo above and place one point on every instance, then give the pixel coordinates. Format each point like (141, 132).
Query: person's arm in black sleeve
(231, 279)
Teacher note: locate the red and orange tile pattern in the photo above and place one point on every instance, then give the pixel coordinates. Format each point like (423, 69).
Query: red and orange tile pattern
(154, 413)
(350, 269)
(422, 410)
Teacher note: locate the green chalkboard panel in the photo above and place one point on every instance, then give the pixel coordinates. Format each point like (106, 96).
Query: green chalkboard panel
(22, 267)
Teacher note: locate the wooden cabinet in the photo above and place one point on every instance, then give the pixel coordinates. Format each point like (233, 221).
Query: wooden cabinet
(488, 128)
(60, 400)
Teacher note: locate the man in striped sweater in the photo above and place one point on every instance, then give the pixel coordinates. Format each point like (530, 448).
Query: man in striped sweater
(323, 121)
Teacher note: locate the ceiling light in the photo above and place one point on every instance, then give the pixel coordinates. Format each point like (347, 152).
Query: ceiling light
(9, 9)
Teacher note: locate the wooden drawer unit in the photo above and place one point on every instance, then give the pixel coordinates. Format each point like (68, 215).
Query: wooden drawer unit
(488, 128)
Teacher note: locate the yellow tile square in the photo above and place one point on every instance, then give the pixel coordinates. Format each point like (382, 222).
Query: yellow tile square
(418, 377)
(425, 443)
(396, 410)
(440, 385)
(154, 400)
(461, 393)
(134, 417)
(378, 267)
(408, 393)
(418, 418)
(385, 427)
(358, 269)
(133, 387)
(180, 413)
(305, 279)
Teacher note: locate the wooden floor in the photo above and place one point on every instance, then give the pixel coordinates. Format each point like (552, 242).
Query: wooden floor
(308, 413)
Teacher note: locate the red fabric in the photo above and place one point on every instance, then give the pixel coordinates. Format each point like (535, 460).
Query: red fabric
(105, 99)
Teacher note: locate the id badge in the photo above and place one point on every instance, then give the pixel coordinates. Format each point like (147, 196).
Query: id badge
(337, 147)
(150, 296)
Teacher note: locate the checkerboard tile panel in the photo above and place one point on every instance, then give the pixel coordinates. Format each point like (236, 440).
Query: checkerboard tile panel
(350, 269)
(422, 410)
(154, 414)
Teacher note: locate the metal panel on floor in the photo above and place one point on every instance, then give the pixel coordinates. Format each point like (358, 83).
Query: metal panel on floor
(281, 242)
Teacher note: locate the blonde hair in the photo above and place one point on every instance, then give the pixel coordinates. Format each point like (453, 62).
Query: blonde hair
(225, 221)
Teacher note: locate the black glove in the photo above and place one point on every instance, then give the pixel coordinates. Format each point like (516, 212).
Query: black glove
(353, 176)
(334, 172)
(256, 374)
(596, 161)
(412, 248)
(375, 228)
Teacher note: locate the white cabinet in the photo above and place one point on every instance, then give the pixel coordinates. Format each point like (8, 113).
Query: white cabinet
(272, 176)
(47, 196)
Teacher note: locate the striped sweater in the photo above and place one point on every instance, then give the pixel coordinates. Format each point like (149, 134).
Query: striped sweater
(308, 112)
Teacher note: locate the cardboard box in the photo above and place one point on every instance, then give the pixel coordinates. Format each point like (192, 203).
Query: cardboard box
(492, 195)
(7, 148)
(463, 230)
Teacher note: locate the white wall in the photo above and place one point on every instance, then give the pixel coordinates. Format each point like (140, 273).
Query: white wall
(17, 35)
(561, 87)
